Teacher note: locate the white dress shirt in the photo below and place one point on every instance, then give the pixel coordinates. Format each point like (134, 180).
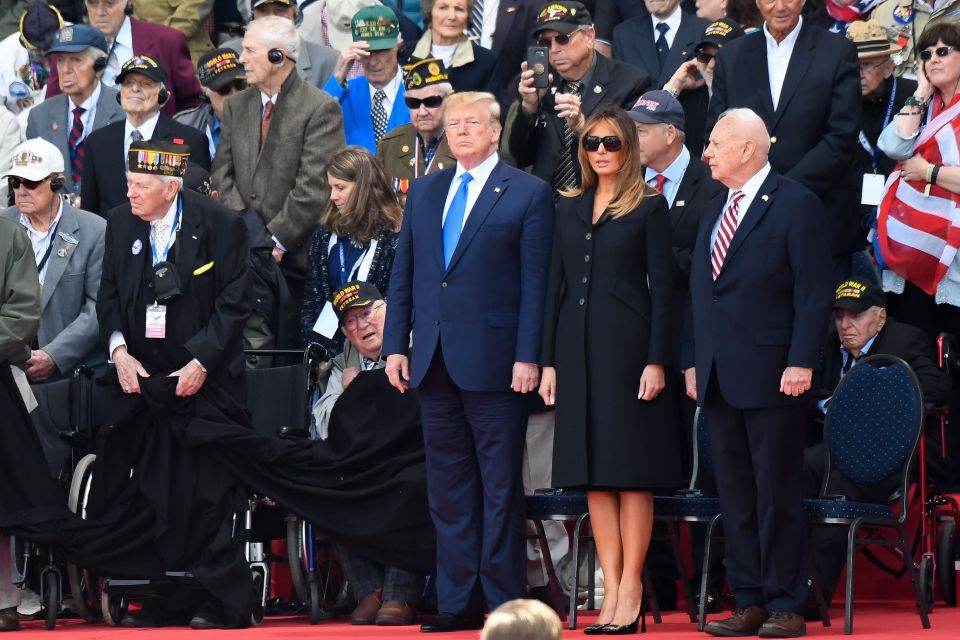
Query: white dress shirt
(41, 239)
(390, 90)
(490, 9)
(121, 51)
(90, 106)
(480, 174)
(672, 21)
(778, 59)
(749, 190)
(146, 130)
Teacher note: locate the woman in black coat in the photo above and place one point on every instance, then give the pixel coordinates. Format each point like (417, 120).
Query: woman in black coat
(606, 339)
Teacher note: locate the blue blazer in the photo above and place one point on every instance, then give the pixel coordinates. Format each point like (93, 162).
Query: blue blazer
(770, 306)
(355, 102)
(486, 310)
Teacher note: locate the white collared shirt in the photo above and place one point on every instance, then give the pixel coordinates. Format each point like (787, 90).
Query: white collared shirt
(672, 21)
(90, 112)
(146, 130)
(480, 174)
(390, 91)
(489, 28)
(121, 51)
(40, 240)
(168, 219)
(264, 99)
(749, 190)
(778, 59)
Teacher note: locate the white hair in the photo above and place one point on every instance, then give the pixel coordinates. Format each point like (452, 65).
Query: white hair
(278, 33)
(95, 53)
(169, 179)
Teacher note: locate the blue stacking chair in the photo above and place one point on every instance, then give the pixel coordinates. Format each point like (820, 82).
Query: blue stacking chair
(872, 428)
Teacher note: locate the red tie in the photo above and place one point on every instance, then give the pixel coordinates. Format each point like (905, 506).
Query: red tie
(728, 227)
(660, 180)
(265, 123)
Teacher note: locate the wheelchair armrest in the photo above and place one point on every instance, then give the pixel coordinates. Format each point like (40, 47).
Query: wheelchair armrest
(290, 433)
(688, 493)
(74, 438)
(837, 497)
(548, 492)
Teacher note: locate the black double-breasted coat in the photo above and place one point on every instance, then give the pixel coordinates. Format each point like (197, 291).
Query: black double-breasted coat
(606, 316)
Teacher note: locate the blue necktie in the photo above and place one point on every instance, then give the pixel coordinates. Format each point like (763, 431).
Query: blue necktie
(662, 47)
(453, 225)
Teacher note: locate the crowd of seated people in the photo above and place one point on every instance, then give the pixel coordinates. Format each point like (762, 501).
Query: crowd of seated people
(564, 225)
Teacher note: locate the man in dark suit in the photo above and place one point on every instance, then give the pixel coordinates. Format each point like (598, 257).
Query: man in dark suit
(805, 84)
(542, 123)
(472, 263)
(862, 330)
(659, 42)
(142, 93)
(173, 301)
(128, 37)
(66, 120)
(759, 305)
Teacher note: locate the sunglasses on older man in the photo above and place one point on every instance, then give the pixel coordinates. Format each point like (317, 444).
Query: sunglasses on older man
(430, 103)
(562, 39)
(942, 52)
(14, 182)
(610, 143)
(236, 85)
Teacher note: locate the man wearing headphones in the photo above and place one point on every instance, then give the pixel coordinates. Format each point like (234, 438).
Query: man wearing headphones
(85, 105)
(315, 62)
(221, 76)
(128, 37)
(279, 173)
(143, 91)
(68, 248)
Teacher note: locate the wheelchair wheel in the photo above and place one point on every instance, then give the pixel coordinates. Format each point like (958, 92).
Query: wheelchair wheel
(84, 593)
(946, 559)
(316, 611)
(297, 556)
(113, 609)
(51, 599)
(926, 582)
(259, 606)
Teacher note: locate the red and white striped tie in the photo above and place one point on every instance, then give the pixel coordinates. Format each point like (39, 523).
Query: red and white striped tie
(728, 227)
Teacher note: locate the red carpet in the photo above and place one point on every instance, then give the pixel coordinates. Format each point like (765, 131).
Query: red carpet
(874, 620)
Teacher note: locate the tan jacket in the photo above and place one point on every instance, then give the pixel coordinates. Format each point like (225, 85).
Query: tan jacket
(19, 293)
(188, 16)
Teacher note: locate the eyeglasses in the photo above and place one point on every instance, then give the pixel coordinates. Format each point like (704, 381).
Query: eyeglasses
(430, 103)
(867, 67)
(562, 39)
(942, 52)
(704, 57)
(15, 183)
(236, 85)
(610, 143)
(353, 321)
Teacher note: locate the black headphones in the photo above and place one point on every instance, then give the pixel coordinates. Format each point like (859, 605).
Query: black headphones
(99, 64)
(162, 97)
(56, 183)
(275, 56)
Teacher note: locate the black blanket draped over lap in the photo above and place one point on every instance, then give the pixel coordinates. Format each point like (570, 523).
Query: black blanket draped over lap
(365, 486)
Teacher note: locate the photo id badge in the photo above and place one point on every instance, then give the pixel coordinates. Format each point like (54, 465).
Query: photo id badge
(872, 191)
(157, 321)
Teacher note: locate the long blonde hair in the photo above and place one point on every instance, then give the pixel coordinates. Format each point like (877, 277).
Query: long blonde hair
(372, 206)
(630, 187)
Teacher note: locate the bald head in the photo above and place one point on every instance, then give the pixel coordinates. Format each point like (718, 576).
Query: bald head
(738, 148)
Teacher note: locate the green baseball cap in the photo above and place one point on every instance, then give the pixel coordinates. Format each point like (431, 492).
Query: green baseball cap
(377, 25)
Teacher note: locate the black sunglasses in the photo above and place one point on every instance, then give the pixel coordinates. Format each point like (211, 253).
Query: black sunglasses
(239, 85)
(430, 103)
(15, 183)
(704, 57)
(942, 52)
(562, 39)
(610, 143)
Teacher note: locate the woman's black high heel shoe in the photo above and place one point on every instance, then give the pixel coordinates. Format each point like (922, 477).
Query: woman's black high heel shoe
(629, 629)
(595, 629)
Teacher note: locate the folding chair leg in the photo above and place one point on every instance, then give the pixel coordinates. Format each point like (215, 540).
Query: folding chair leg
(672, 527)
(914, 578)
(575, 574)
(818, 592)
(848, 593)
(651, 596)
(555, 592)
(705, 572)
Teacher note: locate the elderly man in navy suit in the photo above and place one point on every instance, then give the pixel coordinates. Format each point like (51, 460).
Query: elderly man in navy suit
(469, 278)
(760, 295)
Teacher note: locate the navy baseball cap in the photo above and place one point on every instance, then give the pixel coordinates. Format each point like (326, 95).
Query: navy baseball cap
(78, 37)
(658, 107)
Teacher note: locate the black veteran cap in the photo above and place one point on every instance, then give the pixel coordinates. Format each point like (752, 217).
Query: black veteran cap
(158, 157)
(424, 73)
(856, 294)
(720, 33)
(219, 67)
(562, 17)
(144, 65)
(377, 25)
(657, 107)
(354, 294)
(38, 24)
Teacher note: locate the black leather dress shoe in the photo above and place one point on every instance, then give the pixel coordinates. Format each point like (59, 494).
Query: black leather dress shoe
(9, 619)
(148, 617)
(212, 616)
(446, 622)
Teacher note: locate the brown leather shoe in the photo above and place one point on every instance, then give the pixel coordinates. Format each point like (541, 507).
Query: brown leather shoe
(366, 611)
(745, 622)
(395, 613)
(783, 624)
(9, 620)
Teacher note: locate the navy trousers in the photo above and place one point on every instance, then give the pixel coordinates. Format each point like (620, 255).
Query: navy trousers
(474, 444)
